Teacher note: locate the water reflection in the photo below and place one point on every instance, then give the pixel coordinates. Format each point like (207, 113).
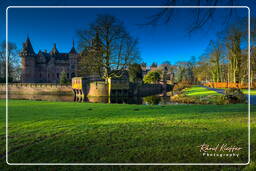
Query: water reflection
(62, 98)
(119, 100)
(152, 100)
(160, 99)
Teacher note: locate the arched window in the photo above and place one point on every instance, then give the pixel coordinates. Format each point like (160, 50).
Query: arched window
(72, 75)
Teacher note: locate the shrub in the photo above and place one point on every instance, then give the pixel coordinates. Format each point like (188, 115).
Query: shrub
(152, 99)
(135, 73)
(220, 100)
(182, 98)
(63, 78)
(152, 77)
(234, 95)
(181, 85)
(230, 96)
(211, 99)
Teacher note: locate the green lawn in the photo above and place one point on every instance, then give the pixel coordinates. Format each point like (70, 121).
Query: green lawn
(199, 91)
(41, 131)
(252, 92)
(245, 91)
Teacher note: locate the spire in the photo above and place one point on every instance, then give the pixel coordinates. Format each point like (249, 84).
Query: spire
(73, 50)
(27, 48)
(54, 50)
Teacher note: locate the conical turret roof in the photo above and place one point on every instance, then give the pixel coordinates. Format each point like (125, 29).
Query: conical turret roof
(27, 47)
(73, 50)
(54, 50)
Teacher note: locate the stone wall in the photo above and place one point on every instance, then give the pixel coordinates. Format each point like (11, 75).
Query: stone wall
(36, 88)
(97, 88)
(40, 97)
(150, 89)
(100, 88)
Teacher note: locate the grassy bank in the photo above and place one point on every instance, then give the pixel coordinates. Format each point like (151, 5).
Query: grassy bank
(252, 92)
(199, 91)
(42, 131)
(198, 95)
(202, 95)
(245, 91)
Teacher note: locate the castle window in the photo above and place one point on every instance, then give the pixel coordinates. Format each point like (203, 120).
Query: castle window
(72, 75)
(40, 75)
(58, 75)
(72, 66)
(67, 75)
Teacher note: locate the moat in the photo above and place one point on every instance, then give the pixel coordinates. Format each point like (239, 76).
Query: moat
(159, 99)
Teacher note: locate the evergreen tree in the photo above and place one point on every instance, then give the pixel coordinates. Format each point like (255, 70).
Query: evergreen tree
(63, 78)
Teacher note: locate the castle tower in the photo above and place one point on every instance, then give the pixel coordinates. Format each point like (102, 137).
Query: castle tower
(73, 58)
(73, 50)
(54, 68)
(54, 50)
(28, 62)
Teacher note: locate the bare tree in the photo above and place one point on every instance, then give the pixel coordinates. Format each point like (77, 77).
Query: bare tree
(253, 50)
(201, 16)
(184, 72)
(233, 44)
(12, 61)
(116, 48)
(201, 71)
(216, 57)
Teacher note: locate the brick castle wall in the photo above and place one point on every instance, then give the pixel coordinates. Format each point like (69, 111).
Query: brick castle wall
(94, 89)
(36, 88)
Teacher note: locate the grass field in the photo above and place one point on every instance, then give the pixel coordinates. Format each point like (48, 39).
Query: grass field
(245, 91)
(252, 92)
(41, 131)
(199, 91)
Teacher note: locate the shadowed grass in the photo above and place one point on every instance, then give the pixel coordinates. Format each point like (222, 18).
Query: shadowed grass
(69, 132)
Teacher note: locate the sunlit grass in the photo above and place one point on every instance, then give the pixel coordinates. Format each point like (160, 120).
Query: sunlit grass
(199, 91)
(245, 91)
(252, 92)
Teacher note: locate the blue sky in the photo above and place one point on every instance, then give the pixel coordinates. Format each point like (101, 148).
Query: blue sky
(157, 44)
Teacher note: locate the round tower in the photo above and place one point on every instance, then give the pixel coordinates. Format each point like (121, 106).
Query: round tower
(28, 61)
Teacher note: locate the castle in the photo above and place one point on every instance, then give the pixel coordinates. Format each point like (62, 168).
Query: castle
(46, 67)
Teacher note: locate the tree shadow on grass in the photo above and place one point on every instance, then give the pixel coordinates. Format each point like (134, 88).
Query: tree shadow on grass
(131, 143)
